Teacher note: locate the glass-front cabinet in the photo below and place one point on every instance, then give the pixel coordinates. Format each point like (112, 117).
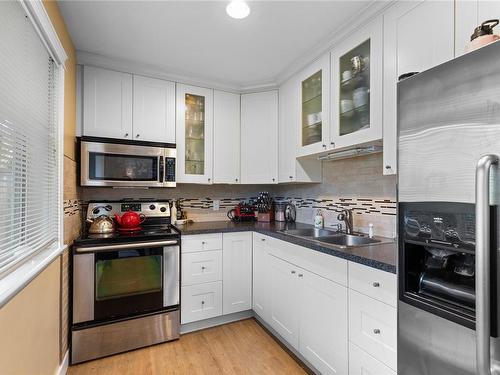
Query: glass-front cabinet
(194, 130)
(314, 87)
(357, 88)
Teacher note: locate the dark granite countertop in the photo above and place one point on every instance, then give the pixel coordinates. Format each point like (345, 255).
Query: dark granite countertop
(381, 256)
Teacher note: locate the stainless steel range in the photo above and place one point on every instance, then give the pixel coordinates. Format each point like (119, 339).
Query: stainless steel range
(125, 283)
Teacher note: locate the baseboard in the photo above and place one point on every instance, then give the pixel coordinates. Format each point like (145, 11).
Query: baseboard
(217, 321)
(63, 367)
(285, 345)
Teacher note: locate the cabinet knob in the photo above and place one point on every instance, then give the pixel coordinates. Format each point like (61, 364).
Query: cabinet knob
(300, 275)
(292, 272)
(262, 239)
(376, 284)
(333, 144)
(376, 331)
(202, 302)
(387, 167)
(290, 177)
(274, 179)
(324, 146)
(202, 268)
(126, 134)
(208, 179)
(203, 242)
(236, 179)
(137, 135)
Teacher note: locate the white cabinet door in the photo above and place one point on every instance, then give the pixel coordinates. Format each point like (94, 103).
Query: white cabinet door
(291, 169)
(357, 93)
(314, 103)
(107, 103)
(323, 323)
(411, 45)
(260, 280)
(259, 138)
(237, 272)
(194, 133)
(226, 138)
(154, 110)
(361, 363)
(201, 301)
(284, 300)
(468, 15)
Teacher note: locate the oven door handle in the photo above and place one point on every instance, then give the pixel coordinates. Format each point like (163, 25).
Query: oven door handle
(483, 251)
(117, 247)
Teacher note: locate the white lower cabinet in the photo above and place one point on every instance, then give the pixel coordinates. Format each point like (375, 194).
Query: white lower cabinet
(201, 301)
(373, 327)
(323, 323)
(361, 363)
(201, 267)
(260, 282)
(284, 300)
(237, 272)
(310, 313)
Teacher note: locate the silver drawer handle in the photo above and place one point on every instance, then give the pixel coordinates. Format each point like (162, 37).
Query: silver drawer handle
(376, 331)
(376, 284)
(483, 250)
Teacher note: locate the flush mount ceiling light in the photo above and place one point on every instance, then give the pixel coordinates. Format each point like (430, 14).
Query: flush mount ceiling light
(238, 9)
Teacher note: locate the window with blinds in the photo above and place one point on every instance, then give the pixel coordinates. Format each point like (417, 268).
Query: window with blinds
(29, 192)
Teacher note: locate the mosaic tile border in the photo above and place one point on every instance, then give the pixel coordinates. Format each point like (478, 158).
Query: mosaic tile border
(360, 206)
(72, 207)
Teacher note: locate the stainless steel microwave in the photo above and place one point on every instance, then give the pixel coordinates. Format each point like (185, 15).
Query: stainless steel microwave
(126, 165)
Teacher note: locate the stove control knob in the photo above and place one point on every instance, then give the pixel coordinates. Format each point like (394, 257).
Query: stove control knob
(152, 207)
(163, 209)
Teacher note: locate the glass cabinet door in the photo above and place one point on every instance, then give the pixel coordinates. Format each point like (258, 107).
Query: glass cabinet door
(354, 90)
(357, 77)
(312, 109)
(194, 117)
(313, 114)
(194, 134)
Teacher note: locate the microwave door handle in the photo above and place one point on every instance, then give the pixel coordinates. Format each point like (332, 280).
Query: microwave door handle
(161, 170)
(483, 251)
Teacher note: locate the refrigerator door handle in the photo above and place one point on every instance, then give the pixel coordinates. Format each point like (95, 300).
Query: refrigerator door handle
(483, 250)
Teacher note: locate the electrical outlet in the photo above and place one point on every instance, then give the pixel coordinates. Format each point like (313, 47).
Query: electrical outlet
(216, 204)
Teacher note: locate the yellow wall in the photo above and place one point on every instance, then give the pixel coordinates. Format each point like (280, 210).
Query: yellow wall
(29, 326)
(30, 322)
(69, 78)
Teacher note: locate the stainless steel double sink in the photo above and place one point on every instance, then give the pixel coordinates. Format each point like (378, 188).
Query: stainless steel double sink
(342, 240)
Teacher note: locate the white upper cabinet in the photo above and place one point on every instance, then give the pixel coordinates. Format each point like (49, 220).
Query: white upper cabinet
(291, 169)
(469, 15)
(357, 69)
(313, 105)
(259, 138)
(194, 130)
(107, 103)
(417, 36)
(154, 110)
(226, 138)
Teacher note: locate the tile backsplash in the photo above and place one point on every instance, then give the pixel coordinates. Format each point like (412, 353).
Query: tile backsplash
(355, 183)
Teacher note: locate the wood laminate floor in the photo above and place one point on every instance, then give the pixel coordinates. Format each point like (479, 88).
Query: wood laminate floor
(242, 347)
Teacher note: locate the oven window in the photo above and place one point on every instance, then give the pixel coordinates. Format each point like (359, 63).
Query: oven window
(117, 167)
(125, 277)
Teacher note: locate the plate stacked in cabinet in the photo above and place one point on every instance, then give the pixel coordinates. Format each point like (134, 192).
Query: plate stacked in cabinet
(216, 276)
(372, 321)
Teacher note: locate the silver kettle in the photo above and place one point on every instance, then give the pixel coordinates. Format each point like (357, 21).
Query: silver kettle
(101, 225)
(290, 213)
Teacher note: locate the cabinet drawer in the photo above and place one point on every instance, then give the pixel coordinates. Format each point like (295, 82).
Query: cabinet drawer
(374, 283)
(373, 327)
(201, 242)
(202, 267)
(201, 301)
(361, 363)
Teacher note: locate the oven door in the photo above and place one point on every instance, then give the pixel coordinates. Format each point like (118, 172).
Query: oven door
(120, 281)
(110, 164)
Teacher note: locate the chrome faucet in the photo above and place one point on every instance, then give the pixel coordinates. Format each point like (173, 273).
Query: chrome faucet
(346, 217)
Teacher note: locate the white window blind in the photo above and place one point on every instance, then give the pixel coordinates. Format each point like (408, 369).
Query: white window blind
(29, 193)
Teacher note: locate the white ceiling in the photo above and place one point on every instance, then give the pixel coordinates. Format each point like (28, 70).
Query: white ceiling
(198, 39)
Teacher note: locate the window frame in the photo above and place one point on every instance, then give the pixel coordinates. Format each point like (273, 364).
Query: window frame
(15, 280)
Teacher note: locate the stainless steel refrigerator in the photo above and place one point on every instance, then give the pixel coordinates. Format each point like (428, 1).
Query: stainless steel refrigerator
(448, 194)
